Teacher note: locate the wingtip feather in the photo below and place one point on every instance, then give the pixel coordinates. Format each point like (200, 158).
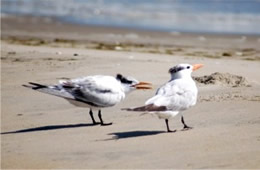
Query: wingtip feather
(127, 109)
(34, 86)
(27, 86)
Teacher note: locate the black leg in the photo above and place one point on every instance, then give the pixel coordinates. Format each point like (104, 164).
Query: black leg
(92, 117)
(101, 121)
(185, 126)
(167, 125)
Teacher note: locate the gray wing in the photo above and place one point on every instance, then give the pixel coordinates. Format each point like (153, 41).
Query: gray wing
(98, 91)
(174, 96)
(101, 91)
(90, 95)
(52, 90)
(73, 92)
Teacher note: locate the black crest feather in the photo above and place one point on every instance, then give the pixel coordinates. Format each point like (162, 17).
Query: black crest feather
(123, 79)
(175, 69)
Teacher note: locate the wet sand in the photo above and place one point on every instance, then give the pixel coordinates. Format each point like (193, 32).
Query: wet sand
(41, 131)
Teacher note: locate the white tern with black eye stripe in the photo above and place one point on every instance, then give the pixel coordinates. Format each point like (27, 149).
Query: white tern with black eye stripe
(178, 94)
(94, 92)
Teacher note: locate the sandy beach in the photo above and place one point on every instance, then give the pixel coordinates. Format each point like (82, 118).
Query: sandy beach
(40, 131)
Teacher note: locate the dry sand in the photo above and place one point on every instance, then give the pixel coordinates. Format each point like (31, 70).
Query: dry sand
(41, 131)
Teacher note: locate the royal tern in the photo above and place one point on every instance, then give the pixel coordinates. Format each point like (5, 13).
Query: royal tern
(94, 92)
(177, 95)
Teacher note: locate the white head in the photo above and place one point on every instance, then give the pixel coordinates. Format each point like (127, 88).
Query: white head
(129, 84)
(183, 70)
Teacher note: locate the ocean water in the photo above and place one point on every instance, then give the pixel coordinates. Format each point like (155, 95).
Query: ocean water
(212, 16)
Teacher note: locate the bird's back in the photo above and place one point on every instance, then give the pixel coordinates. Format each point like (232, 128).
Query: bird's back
(102, 91)
(176, 95)
(91, 91)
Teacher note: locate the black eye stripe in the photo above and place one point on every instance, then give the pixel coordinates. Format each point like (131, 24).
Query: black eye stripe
(176, 69)
(119, 76)
(123, 79)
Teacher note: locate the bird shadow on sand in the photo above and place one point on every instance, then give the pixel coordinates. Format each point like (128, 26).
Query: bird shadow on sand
(132, 134)
(49, 127)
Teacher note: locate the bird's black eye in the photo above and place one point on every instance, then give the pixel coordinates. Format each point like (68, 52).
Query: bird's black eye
(188, 67)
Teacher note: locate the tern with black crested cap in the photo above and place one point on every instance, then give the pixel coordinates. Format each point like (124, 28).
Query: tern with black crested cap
(94, 92)
(178, 94)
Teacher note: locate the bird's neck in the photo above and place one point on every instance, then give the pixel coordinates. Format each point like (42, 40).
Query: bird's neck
(179, 76)
(126, 89)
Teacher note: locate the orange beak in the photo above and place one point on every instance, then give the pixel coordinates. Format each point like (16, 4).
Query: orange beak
(143, 85)
(196, 66)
